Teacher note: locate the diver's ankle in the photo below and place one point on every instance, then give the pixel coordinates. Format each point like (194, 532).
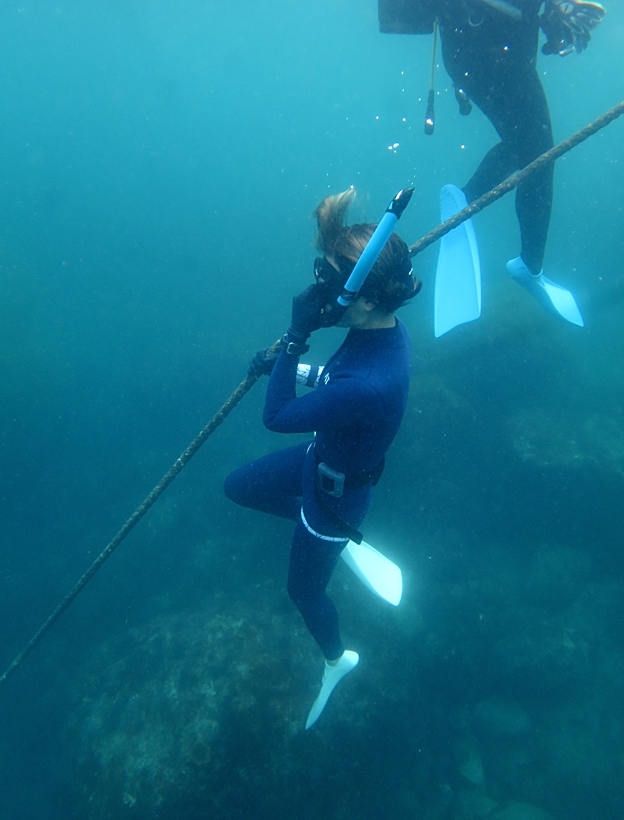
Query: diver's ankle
(531, 268)
(334, 662)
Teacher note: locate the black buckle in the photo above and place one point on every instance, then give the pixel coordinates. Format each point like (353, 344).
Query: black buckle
(330, 481)
(294, 348)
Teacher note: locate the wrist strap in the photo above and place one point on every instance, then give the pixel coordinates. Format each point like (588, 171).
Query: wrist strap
(293, 348)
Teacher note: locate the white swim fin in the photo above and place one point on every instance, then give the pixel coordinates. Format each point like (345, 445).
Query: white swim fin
(378, 573)
(457, 297)
(331, 677)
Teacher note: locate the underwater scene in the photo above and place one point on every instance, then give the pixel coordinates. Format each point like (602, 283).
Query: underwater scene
(159, 164)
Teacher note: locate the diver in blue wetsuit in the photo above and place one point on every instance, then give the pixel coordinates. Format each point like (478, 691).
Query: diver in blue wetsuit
(355, 410)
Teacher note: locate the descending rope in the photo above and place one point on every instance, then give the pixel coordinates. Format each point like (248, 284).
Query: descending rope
(218, 419)
(515, 180)
(250, 380)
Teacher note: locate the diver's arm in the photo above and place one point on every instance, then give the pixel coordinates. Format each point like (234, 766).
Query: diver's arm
(307, 309)
(263, 363)
(342, 402)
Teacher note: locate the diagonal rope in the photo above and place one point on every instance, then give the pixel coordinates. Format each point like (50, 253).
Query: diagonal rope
(216, 421)
(250, 380)
(515, 180)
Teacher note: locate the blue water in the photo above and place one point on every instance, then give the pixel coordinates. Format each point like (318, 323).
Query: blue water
(158, 165)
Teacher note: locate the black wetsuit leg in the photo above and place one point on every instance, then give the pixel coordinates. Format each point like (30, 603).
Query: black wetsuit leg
(515, 104)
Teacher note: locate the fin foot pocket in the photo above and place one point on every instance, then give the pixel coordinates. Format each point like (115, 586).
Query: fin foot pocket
(556, 300)
(331, 678)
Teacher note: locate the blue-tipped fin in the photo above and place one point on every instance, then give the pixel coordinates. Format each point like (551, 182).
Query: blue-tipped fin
(457, 296)
(558, 301)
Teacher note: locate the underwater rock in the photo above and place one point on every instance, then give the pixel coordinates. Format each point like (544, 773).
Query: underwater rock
(521, 811)
(471, 767)
(474, 805)
(540, 656)
(566, 440)
(556, 577)
(538, 438)
(199, 714)
(500, 718)
(167, 710)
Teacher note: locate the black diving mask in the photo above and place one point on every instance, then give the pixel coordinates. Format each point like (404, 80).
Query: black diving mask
(332, 281)
(328, 274)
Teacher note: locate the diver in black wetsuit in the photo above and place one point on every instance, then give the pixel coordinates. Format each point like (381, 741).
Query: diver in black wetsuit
(489, 49)
(491, 58)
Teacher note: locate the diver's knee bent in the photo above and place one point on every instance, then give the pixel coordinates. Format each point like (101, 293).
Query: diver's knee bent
(236, 489)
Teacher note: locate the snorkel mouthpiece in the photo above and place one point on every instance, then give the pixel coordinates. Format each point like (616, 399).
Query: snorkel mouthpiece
(371, 252)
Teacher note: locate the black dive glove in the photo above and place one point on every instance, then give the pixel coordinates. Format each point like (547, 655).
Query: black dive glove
(307, 312)
(568, 25)
(263, 362)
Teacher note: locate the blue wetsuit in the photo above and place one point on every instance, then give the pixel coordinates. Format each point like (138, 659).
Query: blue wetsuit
(356, 411)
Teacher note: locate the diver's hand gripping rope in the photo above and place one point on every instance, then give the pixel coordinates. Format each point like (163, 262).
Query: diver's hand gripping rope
(251, 379)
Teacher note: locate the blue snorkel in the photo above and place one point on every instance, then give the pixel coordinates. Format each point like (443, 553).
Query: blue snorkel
(324, 303)
(371, 252)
